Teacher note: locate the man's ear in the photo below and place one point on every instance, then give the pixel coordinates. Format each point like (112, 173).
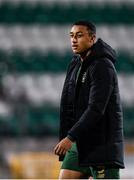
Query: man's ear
(93, 38)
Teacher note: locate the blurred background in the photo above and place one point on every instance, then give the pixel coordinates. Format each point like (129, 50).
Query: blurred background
(34, 54)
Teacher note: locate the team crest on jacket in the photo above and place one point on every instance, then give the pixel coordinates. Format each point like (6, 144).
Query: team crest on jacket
(84, 77)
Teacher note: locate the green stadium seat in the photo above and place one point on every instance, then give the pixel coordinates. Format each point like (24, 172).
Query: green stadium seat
(42, 13)
(39, 62)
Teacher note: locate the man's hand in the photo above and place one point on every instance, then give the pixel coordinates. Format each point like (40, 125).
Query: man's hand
(63, 146)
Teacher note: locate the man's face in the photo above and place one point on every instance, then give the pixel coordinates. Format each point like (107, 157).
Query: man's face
(81, 40)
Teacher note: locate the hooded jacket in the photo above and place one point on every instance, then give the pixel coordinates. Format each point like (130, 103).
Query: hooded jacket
(90, 110)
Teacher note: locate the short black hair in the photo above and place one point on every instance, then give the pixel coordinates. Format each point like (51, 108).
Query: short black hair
(90, 26)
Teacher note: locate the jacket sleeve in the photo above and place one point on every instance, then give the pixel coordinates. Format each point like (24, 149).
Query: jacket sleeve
(102, 82)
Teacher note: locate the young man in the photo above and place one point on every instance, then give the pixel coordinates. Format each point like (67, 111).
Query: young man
(91, 129)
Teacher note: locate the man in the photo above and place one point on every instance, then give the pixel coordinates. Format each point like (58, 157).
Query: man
(91, 130)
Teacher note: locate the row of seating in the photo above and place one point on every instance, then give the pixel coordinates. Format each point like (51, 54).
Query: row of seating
(57, 38)
(30, 121)
(61, 13)
(46, 89)
(43, 121)
(38, 62)
(97, 2)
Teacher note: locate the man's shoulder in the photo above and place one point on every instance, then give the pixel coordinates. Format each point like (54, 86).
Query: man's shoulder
(103, 62)
(102, 65)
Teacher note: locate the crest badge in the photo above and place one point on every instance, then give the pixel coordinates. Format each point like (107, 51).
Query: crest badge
(84, 77)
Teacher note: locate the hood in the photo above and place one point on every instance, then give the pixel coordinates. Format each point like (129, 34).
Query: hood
(102, 50)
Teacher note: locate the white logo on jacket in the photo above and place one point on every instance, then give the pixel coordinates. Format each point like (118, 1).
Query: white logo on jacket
(84, 77)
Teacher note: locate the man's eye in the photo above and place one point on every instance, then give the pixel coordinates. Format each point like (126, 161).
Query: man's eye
(79, 35)
(71, 35)
(76, 36)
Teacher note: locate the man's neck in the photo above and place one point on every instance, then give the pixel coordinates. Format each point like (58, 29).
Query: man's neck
(84, 54)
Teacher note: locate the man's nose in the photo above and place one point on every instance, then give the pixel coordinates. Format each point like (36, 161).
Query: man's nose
(74, 39)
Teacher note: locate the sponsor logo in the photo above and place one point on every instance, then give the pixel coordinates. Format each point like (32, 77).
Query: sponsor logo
(101, 174)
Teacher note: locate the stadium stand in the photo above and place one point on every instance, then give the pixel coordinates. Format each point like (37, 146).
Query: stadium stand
(34, 54)
(35, 48)
(48, 12)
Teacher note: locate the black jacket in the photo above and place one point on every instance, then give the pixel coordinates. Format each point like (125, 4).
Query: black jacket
(90, 110)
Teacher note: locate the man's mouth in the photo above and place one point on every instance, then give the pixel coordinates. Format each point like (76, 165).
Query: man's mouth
(74, 46)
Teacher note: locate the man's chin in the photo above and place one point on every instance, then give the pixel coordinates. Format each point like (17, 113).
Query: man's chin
(76, 52)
